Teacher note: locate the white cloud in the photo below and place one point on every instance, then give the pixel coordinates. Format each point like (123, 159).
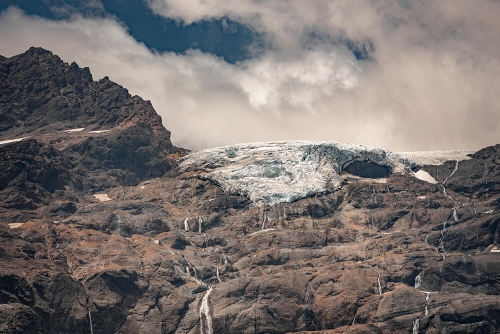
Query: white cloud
(432, 85)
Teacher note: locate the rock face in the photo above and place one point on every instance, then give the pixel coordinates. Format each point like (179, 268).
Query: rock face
(91, 242)
(78, 134)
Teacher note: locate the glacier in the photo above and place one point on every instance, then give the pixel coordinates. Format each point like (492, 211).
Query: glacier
(285, 171)
(274, 172)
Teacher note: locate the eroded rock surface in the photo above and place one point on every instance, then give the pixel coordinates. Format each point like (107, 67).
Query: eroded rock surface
(77, 134)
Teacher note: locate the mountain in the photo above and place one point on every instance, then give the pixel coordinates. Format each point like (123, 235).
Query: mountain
(78, 134)
(106, 227)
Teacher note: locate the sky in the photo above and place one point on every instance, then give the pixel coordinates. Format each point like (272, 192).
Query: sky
(401, 74)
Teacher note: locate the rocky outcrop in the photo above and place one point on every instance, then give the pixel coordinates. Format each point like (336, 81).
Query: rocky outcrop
(79, 135)
(114, 245)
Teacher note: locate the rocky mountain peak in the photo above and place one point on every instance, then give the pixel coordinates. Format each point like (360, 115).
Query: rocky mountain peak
(103, 136)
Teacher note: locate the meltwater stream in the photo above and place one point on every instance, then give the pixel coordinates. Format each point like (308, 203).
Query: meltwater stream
(204, 312)
(205, 317)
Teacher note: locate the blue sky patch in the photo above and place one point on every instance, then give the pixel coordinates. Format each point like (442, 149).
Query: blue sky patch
(223, 37)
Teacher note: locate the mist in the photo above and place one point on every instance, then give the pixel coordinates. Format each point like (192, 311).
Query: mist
(429, 82)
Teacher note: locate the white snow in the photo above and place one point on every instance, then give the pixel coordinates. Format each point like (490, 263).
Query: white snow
(12, 140)
(73, 130)
(98, 131)
(424, 176)
(262, 231)
(102, 197)
(436, 157)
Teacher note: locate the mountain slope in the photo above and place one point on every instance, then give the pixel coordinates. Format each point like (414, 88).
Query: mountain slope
(348, 238)
(86, 135)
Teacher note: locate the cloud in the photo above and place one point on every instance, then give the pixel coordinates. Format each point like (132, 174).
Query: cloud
(87, 7)
(431, 84)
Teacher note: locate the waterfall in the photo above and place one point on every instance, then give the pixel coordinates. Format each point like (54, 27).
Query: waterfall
(418, 281)
(200, 224)
(442, 183)
(90, 319)
(455, 215)
(191, 266)
(186, 225)
(225, 259)
(218, 277)
(416, 323)
(427, 301)
(453, 172)
(437, 250)
(441, 242)
(193, 277)
(205, 311)
(378, 281)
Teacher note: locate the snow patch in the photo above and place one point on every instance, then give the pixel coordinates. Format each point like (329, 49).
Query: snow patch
(436, 157)
(12, 140)
(102, 197)
(424, 176)
(262, 231)
(73, 130)
(98, 131)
